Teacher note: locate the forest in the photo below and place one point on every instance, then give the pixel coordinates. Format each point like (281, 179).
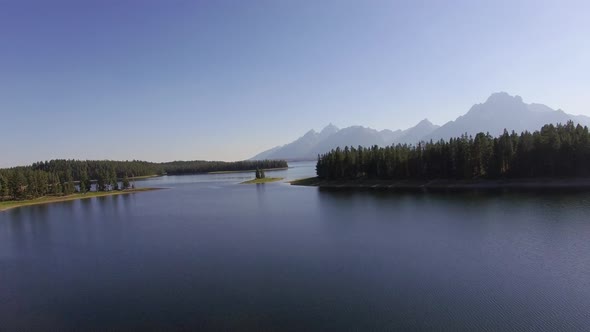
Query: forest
(194, 167)
(64, 177)
(553, 151)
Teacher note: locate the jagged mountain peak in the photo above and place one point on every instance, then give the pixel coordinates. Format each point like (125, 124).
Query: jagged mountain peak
(503, 97)
(414, 134)
(498, 106)
(329, 130)
(330, 127)
(424, 123)
(311, 132)
(503, 111)
(500, 111)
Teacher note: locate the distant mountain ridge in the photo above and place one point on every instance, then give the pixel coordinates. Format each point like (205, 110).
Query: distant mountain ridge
(500, 111)
(503, 111)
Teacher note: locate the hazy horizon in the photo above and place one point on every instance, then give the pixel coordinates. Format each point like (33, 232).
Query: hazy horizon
(163, 81)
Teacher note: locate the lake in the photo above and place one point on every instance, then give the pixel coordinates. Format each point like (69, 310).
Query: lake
(208, 253)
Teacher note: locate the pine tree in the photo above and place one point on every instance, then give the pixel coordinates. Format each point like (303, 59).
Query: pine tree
(84, 182)
(126, 184)
(114, 184)
(55, 185)
(32, 185)
(18, 184)
(68, 185)
(3, 187)
(113, 178)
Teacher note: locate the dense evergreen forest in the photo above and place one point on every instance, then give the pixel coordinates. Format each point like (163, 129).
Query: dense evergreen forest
(553, 151)
(193, 167)
(64, 177)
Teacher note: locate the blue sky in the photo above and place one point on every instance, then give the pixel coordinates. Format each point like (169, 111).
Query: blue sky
(223, 80)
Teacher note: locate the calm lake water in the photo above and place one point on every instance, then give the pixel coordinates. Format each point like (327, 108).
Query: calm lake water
(208, 253)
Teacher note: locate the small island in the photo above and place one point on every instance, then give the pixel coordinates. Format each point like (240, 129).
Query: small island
(260, 177)
(259, 181)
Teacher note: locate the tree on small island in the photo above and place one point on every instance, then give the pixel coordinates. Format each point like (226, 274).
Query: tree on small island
(260, 174)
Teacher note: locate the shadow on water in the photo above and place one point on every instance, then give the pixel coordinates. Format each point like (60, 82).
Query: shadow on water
(462, 194)
(462, 209)
(87, 205)
(261, 196)
(127, 201)
(30, 227)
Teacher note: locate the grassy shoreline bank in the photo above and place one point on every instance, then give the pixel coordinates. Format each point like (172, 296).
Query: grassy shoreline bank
(450, 185)
(265, 180)
(7, 205)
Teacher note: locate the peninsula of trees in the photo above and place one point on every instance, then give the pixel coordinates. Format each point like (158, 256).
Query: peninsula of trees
(65, 177)
(561, 151)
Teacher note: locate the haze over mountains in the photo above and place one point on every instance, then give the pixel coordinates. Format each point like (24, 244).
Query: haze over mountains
(500, 111)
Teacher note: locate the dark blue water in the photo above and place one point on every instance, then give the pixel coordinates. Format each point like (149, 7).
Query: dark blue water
(211, 254)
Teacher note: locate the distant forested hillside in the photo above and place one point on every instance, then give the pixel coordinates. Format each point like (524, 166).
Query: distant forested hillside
(553, 151)
(59, 177)
(199, 166)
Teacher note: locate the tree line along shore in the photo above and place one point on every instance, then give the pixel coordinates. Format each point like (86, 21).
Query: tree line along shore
(556, 156)
(66, 177)
(10, 204)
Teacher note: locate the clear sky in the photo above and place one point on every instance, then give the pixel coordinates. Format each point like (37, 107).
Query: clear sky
(224, 80)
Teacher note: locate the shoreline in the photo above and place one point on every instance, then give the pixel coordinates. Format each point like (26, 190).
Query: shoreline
(449, 185)
(262, 181)
(7, 205)
(248, 171)
(142, 177)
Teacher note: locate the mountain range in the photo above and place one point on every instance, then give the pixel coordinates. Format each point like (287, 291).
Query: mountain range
(500, 111)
